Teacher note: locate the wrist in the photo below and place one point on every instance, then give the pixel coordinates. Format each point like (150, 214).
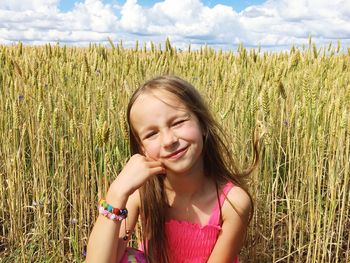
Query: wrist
(116, 195)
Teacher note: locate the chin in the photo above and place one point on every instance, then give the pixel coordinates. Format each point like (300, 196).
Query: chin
(182, 166)
(178, 169)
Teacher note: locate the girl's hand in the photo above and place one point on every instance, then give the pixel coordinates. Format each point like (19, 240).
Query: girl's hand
(136, 172)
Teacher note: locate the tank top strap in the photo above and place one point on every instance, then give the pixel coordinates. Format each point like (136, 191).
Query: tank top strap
(215, 216)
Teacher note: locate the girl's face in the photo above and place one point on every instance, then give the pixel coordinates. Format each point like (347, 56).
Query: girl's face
(167, 130)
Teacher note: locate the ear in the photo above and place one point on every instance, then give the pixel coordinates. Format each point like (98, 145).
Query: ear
(204, 132)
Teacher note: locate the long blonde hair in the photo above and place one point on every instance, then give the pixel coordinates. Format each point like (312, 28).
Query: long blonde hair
(218, 162)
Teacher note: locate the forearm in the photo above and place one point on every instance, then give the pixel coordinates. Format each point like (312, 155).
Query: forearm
(103, 242)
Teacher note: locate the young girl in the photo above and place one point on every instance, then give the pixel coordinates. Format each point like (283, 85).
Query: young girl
(180, 180)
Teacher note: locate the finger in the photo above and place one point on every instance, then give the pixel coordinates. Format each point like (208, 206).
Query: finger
(157, 170)
(154, 163)
(149, 159)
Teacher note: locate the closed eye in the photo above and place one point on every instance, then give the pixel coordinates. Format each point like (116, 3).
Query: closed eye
(150, 134)
(179, 122)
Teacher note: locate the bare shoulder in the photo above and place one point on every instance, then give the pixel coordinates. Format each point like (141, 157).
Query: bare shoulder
(237, 203)
(235, 216)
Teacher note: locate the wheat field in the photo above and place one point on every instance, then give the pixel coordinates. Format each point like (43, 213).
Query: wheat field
(63, 139)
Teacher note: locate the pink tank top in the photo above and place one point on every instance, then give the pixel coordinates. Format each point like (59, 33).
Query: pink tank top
(191, 242)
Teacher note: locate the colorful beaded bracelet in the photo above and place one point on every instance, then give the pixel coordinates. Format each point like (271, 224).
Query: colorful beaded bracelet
(112, 213)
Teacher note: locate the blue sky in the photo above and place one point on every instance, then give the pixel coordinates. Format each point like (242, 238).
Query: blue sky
(271, 24)
(237, 5)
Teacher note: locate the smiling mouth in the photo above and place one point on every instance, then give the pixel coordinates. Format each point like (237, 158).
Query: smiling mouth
(176, 154)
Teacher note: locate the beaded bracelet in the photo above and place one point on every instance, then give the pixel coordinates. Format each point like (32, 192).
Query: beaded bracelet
(112, 213)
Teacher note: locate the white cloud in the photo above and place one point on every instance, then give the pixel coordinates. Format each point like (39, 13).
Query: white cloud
(42, 22)
(274, 23)
(133, 17)
(186, 19)
(92, 15)
(284, 22)
(186, 11)
(35, 5)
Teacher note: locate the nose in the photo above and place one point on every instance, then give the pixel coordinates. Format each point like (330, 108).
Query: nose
(169, 138)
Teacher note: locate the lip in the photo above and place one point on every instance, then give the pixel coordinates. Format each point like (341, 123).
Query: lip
(176, 154)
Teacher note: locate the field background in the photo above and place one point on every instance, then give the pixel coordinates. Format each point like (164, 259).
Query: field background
(63, 138)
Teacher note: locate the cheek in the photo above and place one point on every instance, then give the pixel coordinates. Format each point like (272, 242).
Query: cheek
(197, 136)
(151, 150)
(193, 133)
